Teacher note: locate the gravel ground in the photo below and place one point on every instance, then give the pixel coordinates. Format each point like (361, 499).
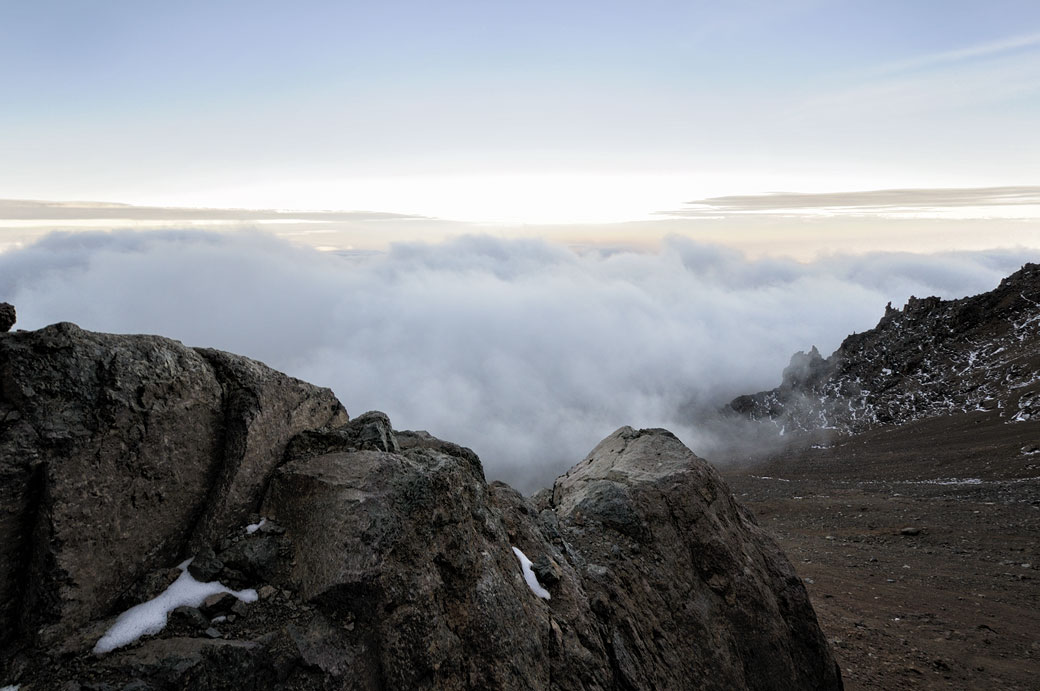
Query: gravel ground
(920, 548)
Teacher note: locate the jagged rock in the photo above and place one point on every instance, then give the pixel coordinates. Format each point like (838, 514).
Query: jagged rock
(252, 557)
(263, 410)
(205, 565)
(112, 449)
(933, 357)
(392, 565)
(805, 370)
(691, 592)
(8, 316)
(369, 430)
(658, 578)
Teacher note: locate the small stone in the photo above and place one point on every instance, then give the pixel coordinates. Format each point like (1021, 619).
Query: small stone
(546, 570)
(212, 632)
(189, 618)
(218, 603)
(266, 592)
(910, 531)
(205, 566)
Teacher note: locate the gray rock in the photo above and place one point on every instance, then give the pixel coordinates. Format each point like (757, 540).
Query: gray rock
(393, 565)
(205, 565)
(413, 551)
(188, 619)
(8, 316)
(112, 448)
(217, 604)
(263, 410)
(252, 559)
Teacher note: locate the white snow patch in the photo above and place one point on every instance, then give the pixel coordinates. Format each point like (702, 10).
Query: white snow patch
(150, 617)
(532, 580)
(11, 687)
(253, 527)
(946, 481)
(766, 477)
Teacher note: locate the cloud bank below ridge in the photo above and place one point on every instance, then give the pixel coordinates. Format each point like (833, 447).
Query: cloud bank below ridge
(526, 351)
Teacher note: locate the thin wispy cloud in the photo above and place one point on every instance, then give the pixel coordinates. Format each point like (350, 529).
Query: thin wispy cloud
(979, 50)
(34, 210)
(867, 201)
(943, 85)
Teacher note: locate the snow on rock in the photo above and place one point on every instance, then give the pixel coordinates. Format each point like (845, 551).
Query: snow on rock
(253, 527)
(934, 357)
(150, 617)
(532, 580)
(12, 687)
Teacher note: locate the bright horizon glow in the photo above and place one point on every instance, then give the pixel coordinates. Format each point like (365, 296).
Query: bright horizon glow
(503, 117)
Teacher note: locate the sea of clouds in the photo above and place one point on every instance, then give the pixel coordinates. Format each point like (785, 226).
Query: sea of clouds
(528, 352)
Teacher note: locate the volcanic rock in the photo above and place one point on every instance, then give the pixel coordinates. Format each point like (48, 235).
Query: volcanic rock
(934, 357)
(659, 579)
(7, 316)
(114, 450)
(392, 565)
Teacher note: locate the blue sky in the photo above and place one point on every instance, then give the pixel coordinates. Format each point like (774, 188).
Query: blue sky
(520, 112)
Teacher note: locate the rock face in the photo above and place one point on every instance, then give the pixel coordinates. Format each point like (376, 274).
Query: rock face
(7, 316)
(114, 451)
(933, 357)
(384, 559)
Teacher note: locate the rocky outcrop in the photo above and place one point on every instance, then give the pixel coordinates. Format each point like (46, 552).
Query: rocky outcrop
(114, 451)
(933, 357)
(382, 559)
(7, 316)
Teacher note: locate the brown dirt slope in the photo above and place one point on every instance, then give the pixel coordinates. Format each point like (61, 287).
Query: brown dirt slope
(919, 547)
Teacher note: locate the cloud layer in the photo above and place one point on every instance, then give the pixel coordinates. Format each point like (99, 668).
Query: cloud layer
(868, 201)
(528, 352)
(34, 210)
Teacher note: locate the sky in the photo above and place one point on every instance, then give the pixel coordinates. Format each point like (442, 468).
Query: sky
(516, 225)
(513, 113)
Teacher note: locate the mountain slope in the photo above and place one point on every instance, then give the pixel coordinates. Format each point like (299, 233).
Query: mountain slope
(933, 357)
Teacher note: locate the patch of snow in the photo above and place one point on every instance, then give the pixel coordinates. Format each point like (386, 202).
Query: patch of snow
(253, 527)
(11, 687)
(150, 617)
(766, 477)
(532, 580)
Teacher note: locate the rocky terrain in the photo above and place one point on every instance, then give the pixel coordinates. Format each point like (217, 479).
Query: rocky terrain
(934, 357)
(360, 557)
(908, 497)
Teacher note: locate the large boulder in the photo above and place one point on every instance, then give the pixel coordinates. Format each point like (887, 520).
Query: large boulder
(381, 559)
(687, 590)
(657, 577)
(114, 450)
